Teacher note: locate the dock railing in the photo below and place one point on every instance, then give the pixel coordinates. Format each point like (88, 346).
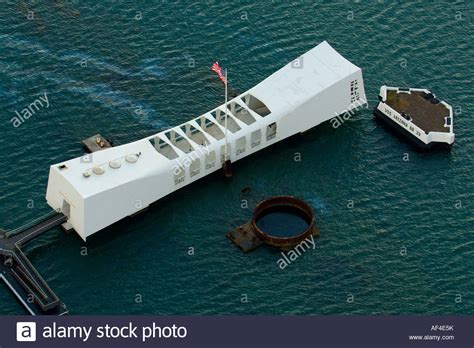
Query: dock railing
(11, 233)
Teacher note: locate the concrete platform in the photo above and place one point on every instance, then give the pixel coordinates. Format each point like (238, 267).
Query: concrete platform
(96, 143)
(424, 110)
(244, 237)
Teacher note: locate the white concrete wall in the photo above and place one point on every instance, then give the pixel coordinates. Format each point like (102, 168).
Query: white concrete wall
(59, 189)
(118, 193)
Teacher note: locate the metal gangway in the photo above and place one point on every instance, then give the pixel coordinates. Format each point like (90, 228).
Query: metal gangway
(20, 275)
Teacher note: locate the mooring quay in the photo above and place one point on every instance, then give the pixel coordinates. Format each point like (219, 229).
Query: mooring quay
(20, 275)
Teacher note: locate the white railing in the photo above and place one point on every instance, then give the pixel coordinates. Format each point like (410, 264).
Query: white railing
(432, 136)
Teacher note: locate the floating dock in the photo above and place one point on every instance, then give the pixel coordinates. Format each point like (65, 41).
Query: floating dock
(416, 114)
(20, 275)
(96, 143)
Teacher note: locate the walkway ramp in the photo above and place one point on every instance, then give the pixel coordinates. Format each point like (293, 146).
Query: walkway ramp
(20, 275)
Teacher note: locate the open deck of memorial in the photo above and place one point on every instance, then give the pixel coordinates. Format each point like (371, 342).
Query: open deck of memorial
(422, 108)
(417, 114)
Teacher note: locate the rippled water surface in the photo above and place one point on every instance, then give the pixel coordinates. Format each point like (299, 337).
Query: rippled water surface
(396, 235)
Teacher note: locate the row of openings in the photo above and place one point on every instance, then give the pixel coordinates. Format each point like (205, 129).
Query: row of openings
(209, 125)
(210, 160)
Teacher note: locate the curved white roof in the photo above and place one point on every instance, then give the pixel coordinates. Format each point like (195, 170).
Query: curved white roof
(290, 86)
(287, 88)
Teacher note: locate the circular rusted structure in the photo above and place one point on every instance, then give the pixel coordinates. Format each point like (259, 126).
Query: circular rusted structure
(287, 205)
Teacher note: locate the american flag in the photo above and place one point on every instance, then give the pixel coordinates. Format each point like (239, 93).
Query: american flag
(216, 68)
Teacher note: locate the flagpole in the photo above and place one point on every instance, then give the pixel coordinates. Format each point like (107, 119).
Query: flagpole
(225, 122)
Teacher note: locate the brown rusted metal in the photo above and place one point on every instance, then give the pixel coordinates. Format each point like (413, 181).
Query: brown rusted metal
(249, 236)
(244, 237)
(282, 202)
(96, 143)
(227, 169)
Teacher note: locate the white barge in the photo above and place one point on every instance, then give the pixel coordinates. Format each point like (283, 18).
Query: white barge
(417, 114)
(98, 190)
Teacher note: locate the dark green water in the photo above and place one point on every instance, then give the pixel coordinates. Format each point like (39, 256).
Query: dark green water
(396, 235)
(281, 223)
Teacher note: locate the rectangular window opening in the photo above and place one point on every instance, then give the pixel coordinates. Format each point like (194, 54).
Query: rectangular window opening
(255, 138)
(240, 146)
(271, 131)
(210, 161)
(179, 175)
